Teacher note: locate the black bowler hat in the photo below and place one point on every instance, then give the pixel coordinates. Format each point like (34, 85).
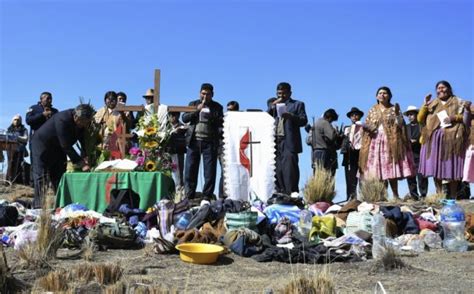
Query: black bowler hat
(355, 110)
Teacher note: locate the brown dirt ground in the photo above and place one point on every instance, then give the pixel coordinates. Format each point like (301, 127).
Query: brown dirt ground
(431, 272)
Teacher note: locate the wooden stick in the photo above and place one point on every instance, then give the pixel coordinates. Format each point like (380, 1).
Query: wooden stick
(156, 94)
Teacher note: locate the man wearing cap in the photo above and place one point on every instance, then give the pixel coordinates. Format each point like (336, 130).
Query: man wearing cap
(324, 142)
(414, 133)
(53, 141)
(149, 109)
(350, 151)
(290, 116)
(202, 138)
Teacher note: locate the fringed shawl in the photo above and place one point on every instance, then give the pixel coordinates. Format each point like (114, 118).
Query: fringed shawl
(454, 136)
(394, 128)
(471, 121)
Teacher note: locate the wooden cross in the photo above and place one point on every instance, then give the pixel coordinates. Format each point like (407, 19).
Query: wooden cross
(123, 136)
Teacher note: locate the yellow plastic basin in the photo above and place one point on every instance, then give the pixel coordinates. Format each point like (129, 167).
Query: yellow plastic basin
(199, 253)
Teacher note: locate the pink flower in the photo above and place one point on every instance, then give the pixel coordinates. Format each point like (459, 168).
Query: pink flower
(134, 151)
(174, 166)
(140, 160)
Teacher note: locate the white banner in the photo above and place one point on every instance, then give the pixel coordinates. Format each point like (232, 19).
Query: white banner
(249, 155)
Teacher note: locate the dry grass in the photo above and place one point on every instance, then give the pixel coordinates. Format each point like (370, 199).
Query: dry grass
(320, 187)
(3, 269)
(390, 261)
(62, 279)
(138, 286)
(395, 200)
(372, 190)
(322, 283)
(434, 199)
(54, 281)
(14, 192)
(49, 240)
(123, 287)
(8, 283)
(88, 250)
(106, 274)
(149, 250)
(118, 288)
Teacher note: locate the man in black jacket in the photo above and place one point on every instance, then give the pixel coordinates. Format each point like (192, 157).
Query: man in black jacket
(414, 133)
(290, 116)
(202, 138)
(39, 113)
(177, 148)
(53, 141)
(350, 151)
(325, 140)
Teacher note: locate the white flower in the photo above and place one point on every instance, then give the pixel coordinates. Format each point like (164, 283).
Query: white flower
(147, 120)
(140, 133)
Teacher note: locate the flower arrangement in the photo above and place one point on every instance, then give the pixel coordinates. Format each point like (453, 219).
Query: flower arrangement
(153, 137)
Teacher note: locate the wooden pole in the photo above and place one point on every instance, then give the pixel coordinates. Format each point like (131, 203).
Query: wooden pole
(156, 94)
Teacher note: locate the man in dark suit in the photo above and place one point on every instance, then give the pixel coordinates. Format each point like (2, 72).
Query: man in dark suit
(39, 113)
(350, 151)
(53, 141)
(202, 138)
(177, 148)
(290, 116)
(414, 132)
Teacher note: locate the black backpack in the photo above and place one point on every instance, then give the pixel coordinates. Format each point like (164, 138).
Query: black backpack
(8, 216)
(114, 236)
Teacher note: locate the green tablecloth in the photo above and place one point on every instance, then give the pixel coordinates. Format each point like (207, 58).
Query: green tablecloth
(93, 189)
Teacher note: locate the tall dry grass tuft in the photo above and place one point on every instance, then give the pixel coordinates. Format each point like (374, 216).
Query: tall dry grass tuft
(390, 260)
(88, 250)
(4, 271)
(106, 274)
(54, 281)
(149, 250)
(84, 272)
(62, 279)
(372, 190)
(118, 288)
(434, 199)
(322, 283)
(320, 187)
(50, 236)
(49, 240)
(325, 281)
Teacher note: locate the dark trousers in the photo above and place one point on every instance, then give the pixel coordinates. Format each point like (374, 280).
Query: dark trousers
(208, 150)
(287, 170)
(463, 192)
(178, 174)
(350, 171)
(221, 181)
(55, 164)
(15, 166)
(418, 183)
(326, 159)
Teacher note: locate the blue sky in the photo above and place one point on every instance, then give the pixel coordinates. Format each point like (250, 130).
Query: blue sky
(334, 53)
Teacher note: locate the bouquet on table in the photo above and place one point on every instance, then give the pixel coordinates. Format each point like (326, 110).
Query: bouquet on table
(153, 137)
